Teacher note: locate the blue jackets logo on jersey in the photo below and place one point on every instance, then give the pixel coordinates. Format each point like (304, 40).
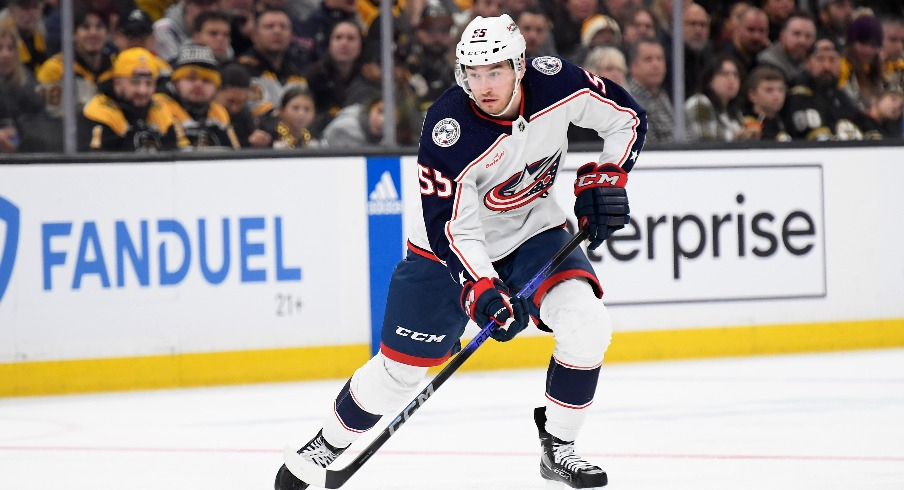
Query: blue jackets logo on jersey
(446, 132)
(522, 188)
(9, 214)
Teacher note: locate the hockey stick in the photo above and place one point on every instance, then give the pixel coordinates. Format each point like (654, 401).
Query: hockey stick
(313, 474)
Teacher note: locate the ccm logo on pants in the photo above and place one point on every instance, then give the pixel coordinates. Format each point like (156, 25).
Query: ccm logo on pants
(420, 337)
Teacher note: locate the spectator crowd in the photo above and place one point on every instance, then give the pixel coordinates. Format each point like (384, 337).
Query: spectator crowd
(154, 75)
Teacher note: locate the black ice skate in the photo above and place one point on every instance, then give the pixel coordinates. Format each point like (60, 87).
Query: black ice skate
(558, 462)
(317, 451)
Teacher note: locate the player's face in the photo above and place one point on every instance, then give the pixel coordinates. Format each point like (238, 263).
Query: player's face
(137, 90)
(298, 112)
(492, 85)
(196, 90)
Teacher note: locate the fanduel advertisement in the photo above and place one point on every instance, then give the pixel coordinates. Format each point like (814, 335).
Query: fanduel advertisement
(133, 259)
(715, 234)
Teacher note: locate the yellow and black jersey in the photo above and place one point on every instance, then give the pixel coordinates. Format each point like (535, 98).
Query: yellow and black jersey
(32, 49)
(50, 77)
(213, 131)
(105, 126)
(267, 82)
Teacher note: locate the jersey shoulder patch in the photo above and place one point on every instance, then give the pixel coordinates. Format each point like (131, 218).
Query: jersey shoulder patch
(547, 65)
(446, 132)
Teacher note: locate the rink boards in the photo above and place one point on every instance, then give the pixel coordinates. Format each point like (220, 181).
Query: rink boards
(158, 274)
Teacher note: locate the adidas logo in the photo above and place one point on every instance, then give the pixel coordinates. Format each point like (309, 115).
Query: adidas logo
(384, 198)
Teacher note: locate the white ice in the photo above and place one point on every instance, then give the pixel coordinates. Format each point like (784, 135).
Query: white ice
(816, 421)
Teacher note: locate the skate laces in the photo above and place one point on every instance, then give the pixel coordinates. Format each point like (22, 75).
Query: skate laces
(564, 455)
(319, 453)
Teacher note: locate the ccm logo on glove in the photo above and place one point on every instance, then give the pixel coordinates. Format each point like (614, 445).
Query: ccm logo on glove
(602, 201)
(607, 175)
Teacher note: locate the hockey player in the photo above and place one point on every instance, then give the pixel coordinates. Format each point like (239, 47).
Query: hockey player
(489, 153)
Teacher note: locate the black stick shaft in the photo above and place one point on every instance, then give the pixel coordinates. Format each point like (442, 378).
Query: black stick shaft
(336, 478)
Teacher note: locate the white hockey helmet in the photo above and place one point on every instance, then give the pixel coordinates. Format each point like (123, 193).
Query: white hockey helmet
(488, 40)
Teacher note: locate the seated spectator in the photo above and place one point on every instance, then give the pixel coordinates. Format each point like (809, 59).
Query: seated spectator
(640, 25)
(242, 27)
(24, 18)
(316, 30)
(597, 31)
(18, 88)
(234, 94)
(289, 127)
(883, 117)
(272, 61)
(91, 64)
(862, 73)
(714, 113)
(777, 11)
(128, 118)
(893, 52)
(789, 54)
(202, 122)
(817, 109)
(212, 29)
(620, 10)
(833, 19)
(428, 62)
(765, 89)
(174, 29)
(730, 24)
(134, 30)
(646, 70)
(607, 62)
(330, 78)
(567, 19)
(356, 126)
(698, 51)
(750, 37)
(536, 28)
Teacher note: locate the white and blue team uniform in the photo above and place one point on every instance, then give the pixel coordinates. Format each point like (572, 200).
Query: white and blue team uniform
(487, 202)
(489, 212)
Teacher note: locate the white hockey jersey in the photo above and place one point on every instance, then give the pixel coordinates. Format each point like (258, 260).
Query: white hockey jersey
(486, 183)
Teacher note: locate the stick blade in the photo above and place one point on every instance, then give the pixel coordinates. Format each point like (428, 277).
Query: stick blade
(303, 469)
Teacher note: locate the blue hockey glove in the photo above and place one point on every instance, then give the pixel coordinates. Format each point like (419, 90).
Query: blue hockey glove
(602, 201)
(488, 299)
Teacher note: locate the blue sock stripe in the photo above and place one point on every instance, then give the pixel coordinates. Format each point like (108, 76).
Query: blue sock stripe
(569, 386)
(350, 414)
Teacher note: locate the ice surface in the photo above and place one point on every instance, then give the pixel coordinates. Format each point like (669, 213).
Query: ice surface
(816, 421)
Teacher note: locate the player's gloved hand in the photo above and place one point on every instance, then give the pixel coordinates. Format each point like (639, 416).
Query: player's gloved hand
(488, 299)
(602, 201)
